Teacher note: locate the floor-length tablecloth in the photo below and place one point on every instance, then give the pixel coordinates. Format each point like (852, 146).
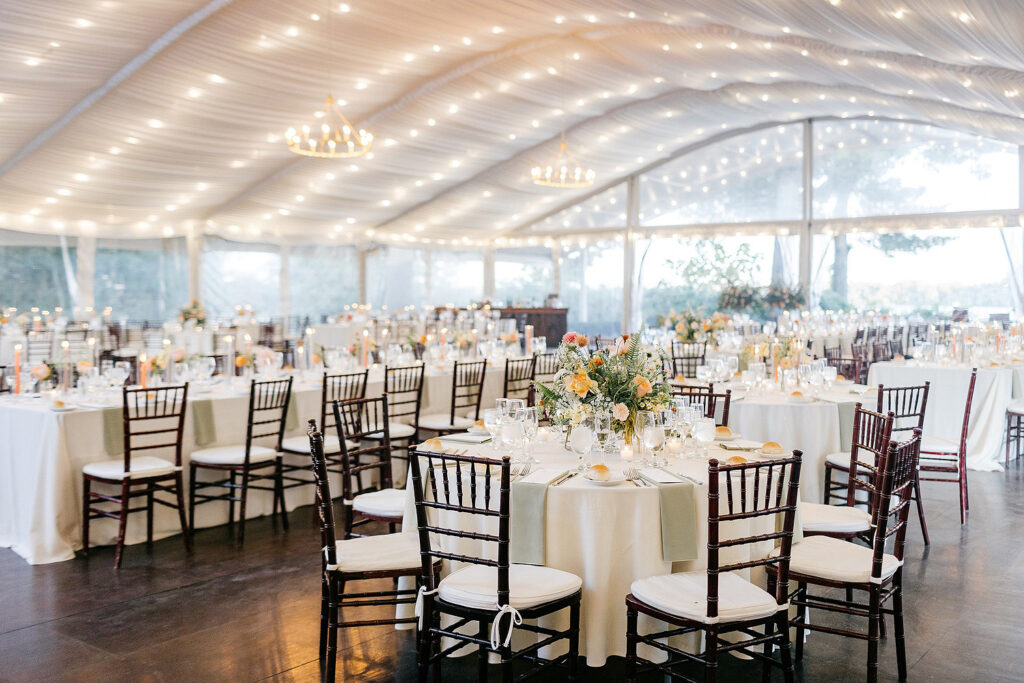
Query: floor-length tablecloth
(42, 453)
(947, 398)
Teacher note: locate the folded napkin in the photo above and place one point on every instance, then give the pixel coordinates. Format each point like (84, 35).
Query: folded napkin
(466, 437)
(202, 422)
(678, 515)
(113, 430)
(739, 445)
(528, 504)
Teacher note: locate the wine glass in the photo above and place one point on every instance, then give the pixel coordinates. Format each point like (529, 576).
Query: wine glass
(581, 440)
(652, 435)
(512, 436)
(528, 418)
(704, 432)
(492, 423)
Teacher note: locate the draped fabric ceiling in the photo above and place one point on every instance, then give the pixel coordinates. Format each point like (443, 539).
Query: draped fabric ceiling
(150, 118)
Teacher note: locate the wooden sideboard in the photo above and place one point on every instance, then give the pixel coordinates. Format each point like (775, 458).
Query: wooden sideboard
(547, 322)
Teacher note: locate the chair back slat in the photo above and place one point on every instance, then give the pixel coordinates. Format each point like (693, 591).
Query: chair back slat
(363, 421)
(547, 366)
(322, 497)
(449, 500)
(404, 387)
(467, 387)
(686, 356)
(519, 376)
(907, 405)
(899, 472)
(268, 409)
(153, 419)
(341, 387)
(872, 433)
(778, 504)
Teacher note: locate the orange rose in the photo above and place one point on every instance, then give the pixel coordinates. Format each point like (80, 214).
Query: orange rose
(241, 361)
(580, 384)
(581, 340)
(643, 387)
(596, 362)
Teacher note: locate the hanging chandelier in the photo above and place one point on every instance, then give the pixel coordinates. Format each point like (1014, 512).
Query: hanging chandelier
(562, 170)
(330, 136)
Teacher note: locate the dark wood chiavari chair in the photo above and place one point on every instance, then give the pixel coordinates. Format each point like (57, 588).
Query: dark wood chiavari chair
(859, 336)
(1014, 429)
(404, 387)
(943, 456)
(835, 563)
(872, 433)
(519, 376)
(387, 556)
(603, 342)
(467, 390)
(366, 479)
(908, 405)
(7, 380)
(487, 592)
(547, 366)
(717, 601)
(848, 368)
(686, 356)
(882, 351)
(833, 352)
(896, 347)
(153, 421)
(709, 402)
(343, 387)
(268, 408)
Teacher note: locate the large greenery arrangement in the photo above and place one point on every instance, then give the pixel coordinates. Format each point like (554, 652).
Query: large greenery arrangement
(693, 325)
(761, 301)
(621, 380)
(193, 312)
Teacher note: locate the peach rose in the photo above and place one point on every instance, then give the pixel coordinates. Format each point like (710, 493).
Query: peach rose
(643, 387)
(581, 340)
(620, 412)
(569, 338)
(580, 384)
(41, 372)
(178, 355)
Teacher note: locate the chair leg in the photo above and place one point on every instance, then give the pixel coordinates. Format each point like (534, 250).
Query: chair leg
(122, 522)
(241, 506)
(231, 502)
(897, 618)
(483, 652)
(574, 640)
(279, 485)
(920, 507)
(801, 618)
(191, 499)
(874, 613)
(179, 492)
(967, 489)
(710, 655)
(785, 648)
(332, 615)
(1008, 432)
(324, 619)
(149, 517)
(423, 642)
(962, 481)
(766, 667)
(828, 484)
(631, 635)
(86, 494)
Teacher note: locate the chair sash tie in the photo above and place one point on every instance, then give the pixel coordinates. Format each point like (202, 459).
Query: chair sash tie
(419, 603)
(515, 620)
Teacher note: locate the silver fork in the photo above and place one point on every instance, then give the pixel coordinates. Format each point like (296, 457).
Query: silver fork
(634, 476)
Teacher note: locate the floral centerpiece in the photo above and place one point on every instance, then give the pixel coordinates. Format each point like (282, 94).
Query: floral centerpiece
(691, 326)
(621, 380)
(510, 337)
(194, 312)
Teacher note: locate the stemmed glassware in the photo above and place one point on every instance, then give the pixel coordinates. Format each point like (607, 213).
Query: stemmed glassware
(581, 440)
(603, 430)
(528, 418)
(492, 423)
(652, 433)
(704, 432)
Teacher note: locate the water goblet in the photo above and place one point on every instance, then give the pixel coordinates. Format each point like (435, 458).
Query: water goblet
(581, 440)
(492, 423)
(704, 433)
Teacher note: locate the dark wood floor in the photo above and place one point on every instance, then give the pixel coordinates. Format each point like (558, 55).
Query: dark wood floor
(252, 614)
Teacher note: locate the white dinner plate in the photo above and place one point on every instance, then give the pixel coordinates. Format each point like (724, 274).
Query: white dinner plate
(616, 478)
(480, 431)
(800, 399)
(731, 437)
(65, 409)
(773, 455)
(843, 382)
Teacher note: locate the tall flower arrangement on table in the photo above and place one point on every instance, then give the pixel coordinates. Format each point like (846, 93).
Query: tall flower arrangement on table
(621, 380)
(194, 313)
(692, 326)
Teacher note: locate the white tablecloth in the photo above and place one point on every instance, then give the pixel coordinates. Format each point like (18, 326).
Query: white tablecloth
(42, 453)
(610, 537)
(818, 429)
(947, 398)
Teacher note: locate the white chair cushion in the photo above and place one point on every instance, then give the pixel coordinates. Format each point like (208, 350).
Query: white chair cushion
(476, 586)
(438, 422)
(300, 444)
(836, 560)
(142, 466)
(842, 460)
(232, 455)
(399, 430)
(379, 553)
(383, 503)
(937, 444)
(686, 595)
(840, 519)
(1016, 407)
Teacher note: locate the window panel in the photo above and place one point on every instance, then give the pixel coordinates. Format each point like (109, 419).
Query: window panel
(456, 277)
(523, 276)
(592, 287)
(885, 168)
(241, 274)
(322, 280)
(37, 270)
(141, 279)
(751, 177)
(396, 277)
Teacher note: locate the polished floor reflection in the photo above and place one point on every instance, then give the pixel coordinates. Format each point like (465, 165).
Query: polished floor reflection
(252, 614)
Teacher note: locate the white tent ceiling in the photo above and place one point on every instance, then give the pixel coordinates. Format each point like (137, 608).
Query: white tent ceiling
(146, 118)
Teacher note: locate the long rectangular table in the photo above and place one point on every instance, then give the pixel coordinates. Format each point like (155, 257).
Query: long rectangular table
(42, 453)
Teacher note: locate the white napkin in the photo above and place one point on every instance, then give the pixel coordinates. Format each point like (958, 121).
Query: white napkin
(545, 476)
(659, 476)
(467, 438)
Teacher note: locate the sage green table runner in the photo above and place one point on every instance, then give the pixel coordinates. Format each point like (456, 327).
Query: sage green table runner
(678, 515)
(205, 428)
(113, 430)
(528, 516)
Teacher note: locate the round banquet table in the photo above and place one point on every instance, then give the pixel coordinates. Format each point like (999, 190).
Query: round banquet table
(818, 427)
(42, 453)
(609, 536)
(947, 397)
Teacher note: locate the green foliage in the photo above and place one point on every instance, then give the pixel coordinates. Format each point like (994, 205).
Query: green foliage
(893, 243)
